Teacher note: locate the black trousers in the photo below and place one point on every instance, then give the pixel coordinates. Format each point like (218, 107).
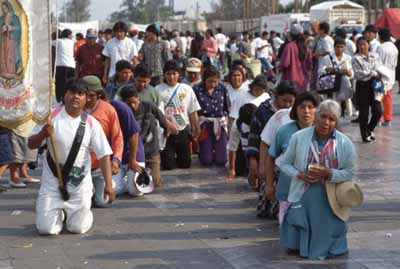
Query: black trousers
(63, 74)
(241, 168)
(177, 151)
(366, 101)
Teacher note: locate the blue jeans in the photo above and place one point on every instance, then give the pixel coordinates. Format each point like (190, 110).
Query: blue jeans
(266, 64)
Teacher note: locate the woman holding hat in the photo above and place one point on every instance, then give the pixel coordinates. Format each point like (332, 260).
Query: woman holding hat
(319, 159)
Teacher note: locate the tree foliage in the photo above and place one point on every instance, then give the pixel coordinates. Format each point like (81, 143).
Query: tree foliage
(226, 10)
(76, 11)
(141, 11)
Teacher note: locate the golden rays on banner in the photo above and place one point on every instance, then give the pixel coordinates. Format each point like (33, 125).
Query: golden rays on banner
(25, 64)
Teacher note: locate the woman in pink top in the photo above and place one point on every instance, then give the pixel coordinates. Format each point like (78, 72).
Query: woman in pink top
(296, 59)
(210, 49)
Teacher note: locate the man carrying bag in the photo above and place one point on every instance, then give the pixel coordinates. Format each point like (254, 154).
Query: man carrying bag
(67, 195)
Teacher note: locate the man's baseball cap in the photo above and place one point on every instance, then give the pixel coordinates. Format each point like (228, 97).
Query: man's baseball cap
(91, 33)
(92, 83)
(193, 65)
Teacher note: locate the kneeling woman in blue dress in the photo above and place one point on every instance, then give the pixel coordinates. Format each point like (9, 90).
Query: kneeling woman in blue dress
(320, 161)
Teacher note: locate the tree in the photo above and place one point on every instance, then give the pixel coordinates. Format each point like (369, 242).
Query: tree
(76, 11)
(141, 11)
(226, 10)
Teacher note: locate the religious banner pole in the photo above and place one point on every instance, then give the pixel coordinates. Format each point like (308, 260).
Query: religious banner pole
(25, 65)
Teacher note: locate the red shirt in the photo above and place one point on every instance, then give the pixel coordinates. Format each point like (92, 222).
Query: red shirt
(108, 118)
(90, 60)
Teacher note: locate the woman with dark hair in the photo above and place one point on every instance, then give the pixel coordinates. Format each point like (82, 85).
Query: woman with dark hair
(214, 102)
(364, 65)
(236, 83)
(296, 59)
(339, 63)
(210, 49)
(302, 114)
(255, 95)
(196, 46)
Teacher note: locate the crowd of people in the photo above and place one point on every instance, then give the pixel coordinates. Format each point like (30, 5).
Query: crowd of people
(265, 106)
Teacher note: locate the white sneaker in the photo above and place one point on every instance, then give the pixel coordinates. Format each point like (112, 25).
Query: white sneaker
(17, 185)
(30, 180)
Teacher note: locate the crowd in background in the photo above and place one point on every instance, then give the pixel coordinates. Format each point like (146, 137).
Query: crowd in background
(266, 106)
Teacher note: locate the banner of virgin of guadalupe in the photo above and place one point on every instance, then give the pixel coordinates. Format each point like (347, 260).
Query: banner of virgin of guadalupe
(25, 68)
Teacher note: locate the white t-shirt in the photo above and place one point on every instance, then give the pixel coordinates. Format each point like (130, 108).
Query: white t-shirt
(221, 41)
(280, 118)
(234, 93)
(65, 128)
(245, 97)
(265, 52)
(65, 53)
(388, 54)
(374, 44)
(139, 43)
(350, 47)
(278, 42)
(181, 105)
(184, 45)
(118, 50)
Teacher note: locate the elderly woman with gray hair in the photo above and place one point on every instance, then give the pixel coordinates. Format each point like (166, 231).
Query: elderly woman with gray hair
(315, 157)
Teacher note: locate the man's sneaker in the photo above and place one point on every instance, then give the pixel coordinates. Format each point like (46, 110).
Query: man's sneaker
(356, 120)
(17, 185)
(386, 123)
(372, 136)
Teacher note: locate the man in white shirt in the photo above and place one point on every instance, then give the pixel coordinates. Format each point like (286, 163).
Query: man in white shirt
(370, 34)
(119, 48)
(221, 41)
(65, 62)
(180, 107)
(277, 41)
(388, 54)
(264, 52)
(51, 209)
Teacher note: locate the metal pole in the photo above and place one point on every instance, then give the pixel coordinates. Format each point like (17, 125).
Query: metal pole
(369, 11)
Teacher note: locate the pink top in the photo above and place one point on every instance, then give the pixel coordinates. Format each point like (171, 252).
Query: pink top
(294, 69)
(210, 47)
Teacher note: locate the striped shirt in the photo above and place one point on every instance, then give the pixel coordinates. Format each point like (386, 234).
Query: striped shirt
(364, 66)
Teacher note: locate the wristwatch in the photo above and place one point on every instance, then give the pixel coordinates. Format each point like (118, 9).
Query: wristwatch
(117, 160)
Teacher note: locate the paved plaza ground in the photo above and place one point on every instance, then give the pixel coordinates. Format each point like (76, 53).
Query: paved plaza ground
(198, 220)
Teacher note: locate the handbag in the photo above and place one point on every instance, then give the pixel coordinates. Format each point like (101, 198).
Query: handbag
(377, 85)
(329, 83)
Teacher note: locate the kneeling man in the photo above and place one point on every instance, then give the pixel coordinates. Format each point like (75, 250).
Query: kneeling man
(70, 127)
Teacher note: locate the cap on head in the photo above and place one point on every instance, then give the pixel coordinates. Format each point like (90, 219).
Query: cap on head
(92, 83)
(91, 33)
(153, 28)
(193, 65)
